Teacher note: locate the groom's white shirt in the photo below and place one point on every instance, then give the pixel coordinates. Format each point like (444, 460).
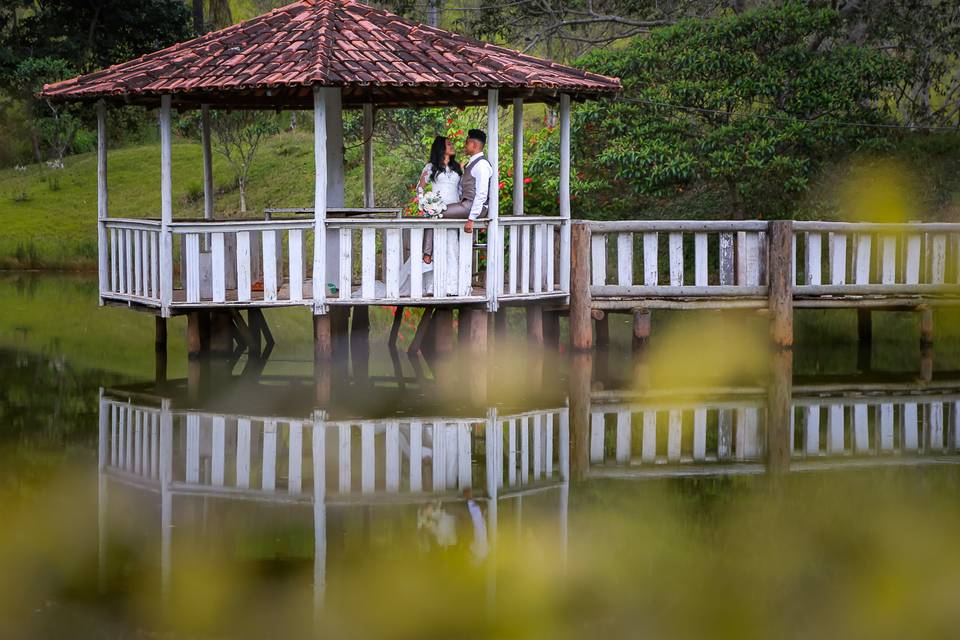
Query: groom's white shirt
(481, 172)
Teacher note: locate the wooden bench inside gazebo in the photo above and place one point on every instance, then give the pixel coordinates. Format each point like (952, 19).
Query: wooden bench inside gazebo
(329, 56)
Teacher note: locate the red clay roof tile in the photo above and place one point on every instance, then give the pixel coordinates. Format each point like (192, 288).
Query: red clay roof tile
(333, 43)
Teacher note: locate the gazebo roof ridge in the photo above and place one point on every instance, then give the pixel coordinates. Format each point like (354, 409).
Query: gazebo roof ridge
(272, 60)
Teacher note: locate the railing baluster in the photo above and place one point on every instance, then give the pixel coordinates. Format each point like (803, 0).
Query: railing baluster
(911, 432)
(938, 259)
(268, 474)
(218, 282)
(218, 450)
(465, 261)
(192, 472)
(416, 457)
(598, 252)
(861, 429)
(912, 266)
(416, 262)
(623, 437)
(648, 442)
(624, 259)
(838, 259)
(514, 233)
(674, 435)
(726, 263)
(439, 262)
(192, 243)
(345, 475)
(538, 252)
(700, 260)
(368, 267)
(295, 250)
(114, 279)
(268, 247)
(888, 270)
(391, 263)
(346, 264)
(814, 258)
(243, 453)
(811, 430)
(862, 274)
(551, 253)
(752, 260)
(243, 266)
(452, 243)
(700, 434)
(676, 259)
(392, 454)
(835, 429)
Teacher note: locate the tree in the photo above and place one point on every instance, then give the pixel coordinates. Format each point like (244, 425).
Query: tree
(752, 103)
(238, 135)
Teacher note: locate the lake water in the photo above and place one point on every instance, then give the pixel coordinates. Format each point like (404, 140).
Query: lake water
(531, 494)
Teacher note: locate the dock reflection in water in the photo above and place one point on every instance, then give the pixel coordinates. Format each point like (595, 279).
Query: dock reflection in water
(424, 469)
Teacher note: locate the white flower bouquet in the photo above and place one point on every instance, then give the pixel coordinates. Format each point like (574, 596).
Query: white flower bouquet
(432, 204)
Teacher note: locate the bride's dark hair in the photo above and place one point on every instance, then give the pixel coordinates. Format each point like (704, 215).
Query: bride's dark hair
(438, 153)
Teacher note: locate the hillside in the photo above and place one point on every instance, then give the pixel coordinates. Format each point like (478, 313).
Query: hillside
(49, 216)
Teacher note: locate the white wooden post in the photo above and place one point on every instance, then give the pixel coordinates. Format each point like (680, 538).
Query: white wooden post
(207, 162)
(335, 176)
(494, 257)
(103, 251)
(565, 192)
(368, 197)
(319, 200)
(166, 208)
(518, 156)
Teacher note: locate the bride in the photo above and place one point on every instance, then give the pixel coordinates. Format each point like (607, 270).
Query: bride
(442, 173)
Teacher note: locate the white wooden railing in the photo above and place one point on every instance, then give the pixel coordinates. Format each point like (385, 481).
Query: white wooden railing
(260, 457)
(243, 262)
(673, 436)
(531, 265)
(380, 261)
(133, 258)
(837, 258)
(639, 259)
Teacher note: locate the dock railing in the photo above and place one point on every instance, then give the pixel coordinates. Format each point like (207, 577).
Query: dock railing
(677, 264)
(371, 256)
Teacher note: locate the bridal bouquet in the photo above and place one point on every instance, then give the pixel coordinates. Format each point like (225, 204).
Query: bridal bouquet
(432, 204)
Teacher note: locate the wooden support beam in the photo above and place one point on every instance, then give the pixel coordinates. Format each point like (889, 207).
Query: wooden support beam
(518, 156)
(319, 206)
(422, 328)
(395, 327)
(641, 328)
(780, 288)
(581, 331)
(500, 325)
(340, 329)
(322, 338)
(565, 239)
(473, 331)
(166, 206)
(160, 334)
(102, 204)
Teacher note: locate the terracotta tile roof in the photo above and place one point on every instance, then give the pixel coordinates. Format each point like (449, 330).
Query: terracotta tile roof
(273, 59)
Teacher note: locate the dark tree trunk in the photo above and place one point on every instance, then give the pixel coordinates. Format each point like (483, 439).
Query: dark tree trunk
(736, 200)
(198, 26)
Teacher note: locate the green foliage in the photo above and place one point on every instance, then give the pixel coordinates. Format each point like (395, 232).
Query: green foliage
(763, 96)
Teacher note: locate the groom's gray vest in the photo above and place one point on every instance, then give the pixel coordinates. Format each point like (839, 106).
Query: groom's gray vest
(468, 187)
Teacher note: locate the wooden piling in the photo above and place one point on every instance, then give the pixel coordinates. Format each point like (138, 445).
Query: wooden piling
(551, 329)
(641, 328)
(322, 338)
(221, 333)
(601, 324)
(535, 325)
(423, 327)
(780, 286)
(581, 331)
(160, 334)
(926, 326)
(360, 344)
(581, 368)
(473, 331)
(864, 338)
(194, 338)
(779, 408)
(500, 325)
(340, 331)
(441, 326)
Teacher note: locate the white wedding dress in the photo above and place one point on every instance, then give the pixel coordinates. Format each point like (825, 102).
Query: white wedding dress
(447, 184)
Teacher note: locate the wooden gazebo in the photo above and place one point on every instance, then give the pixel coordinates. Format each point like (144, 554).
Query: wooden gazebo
(331, 55)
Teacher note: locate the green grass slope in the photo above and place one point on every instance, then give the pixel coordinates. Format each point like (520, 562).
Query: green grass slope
(48, 216)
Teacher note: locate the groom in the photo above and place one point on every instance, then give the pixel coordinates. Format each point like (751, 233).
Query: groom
(474, 189)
